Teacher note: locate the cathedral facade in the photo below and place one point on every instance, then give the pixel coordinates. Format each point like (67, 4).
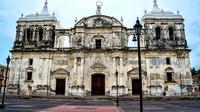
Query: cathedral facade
(98, 54)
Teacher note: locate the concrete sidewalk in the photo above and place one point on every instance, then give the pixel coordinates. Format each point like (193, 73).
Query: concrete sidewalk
(121, 98)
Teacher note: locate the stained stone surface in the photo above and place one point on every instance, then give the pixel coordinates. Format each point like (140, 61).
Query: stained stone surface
(39, 37)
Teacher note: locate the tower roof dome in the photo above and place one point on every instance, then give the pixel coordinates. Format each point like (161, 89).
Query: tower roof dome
(43, 15)
(157, 13)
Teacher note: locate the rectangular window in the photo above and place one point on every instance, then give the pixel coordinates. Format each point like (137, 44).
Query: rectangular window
(98, 43)
(29, 75)
(169, 77)
(30, 61)
(168, 61)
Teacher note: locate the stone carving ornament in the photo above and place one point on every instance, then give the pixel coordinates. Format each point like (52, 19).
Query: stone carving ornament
(99, 22)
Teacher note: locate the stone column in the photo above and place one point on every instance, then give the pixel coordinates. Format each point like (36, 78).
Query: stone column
(114, 70)
(49, 76)
(20, 33)
(17, 33)
(48, 32)
(37, 34)
(121, 71)
(45, 33)
(33, 34)
(82, 72)
(70, 41)
(75, 68)
(15, 67)
(41, 71)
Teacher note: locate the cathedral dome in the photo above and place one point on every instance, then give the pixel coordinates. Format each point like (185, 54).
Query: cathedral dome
(43, 15)
(158, 13)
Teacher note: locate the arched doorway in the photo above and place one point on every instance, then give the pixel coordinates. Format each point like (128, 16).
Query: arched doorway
(98, 84)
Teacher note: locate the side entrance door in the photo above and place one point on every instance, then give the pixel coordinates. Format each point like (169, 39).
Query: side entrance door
(135, 86)
(60, 86)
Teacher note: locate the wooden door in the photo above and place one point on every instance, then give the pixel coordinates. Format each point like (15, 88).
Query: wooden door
(60, 86)
(135, 86)
(98, 84)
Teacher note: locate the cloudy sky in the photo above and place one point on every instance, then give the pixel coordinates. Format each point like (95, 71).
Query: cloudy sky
(67, 10)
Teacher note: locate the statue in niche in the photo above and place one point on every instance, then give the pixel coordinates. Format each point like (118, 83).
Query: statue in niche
(99, 4)
(117, 40)
(79, 42)
(105, 43)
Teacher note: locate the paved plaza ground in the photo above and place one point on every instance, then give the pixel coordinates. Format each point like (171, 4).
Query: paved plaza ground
(75, 105)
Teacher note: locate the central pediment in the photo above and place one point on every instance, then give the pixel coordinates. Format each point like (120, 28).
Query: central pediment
(61, 71)
(98, 65)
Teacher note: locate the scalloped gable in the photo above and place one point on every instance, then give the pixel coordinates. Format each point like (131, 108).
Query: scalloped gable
(99, 21)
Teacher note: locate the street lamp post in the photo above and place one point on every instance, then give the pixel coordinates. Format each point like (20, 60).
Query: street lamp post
(117, 99)
(4, 90)
(137, 28)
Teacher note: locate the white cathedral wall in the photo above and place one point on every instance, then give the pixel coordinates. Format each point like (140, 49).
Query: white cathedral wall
(81, 75)
(20, 65)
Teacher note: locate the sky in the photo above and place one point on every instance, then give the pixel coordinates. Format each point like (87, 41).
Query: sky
(67, 10)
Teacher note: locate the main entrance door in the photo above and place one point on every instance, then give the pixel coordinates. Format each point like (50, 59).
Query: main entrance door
(135, 86)
(60, 86)
(98, 84)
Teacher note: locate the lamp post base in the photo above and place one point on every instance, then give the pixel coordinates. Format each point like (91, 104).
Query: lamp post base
(2, 106)
(117, 103)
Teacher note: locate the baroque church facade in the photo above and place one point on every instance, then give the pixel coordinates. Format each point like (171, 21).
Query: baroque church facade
(98, 49)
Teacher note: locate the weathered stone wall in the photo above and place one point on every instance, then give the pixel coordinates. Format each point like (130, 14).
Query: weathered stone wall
(78, 67)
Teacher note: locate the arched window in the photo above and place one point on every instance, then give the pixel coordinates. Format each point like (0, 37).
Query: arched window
(24, 36)
(28, 32)
(29, 74)
(158, 33)
(40, 34)
(53, 34)
(66, 41)
(79, 41)
(169, 75)
(171, 33)
(98, 43)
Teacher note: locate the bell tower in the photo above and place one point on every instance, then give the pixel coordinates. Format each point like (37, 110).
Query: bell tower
(36, 31)
(163, 29)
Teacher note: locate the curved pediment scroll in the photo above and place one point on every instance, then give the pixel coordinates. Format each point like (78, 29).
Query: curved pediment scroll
(99, 21)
